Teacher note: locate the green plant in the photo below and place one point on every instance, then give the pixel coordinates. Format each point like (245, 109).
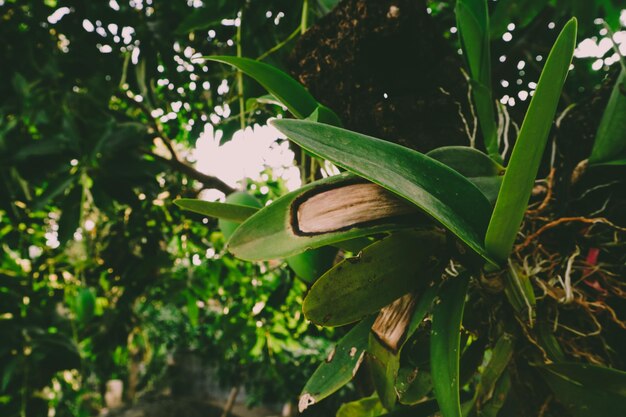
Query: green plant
(444, 226)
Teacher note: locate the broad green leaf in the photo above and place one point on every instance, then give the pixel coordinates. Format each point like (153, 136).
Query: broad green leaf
(365, 407)
(278, 83)
(445, 344)
(232, 212)
(587, 390)
(339, 367)
(519, 12)
(439, 191)
(610, 144)
(274, 232)
(384, 271)
(484, 172)
(520, 174)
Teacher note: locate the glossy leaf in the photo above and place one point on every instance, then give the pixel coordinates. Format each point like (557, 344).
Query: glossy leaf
(232, 212)
(587, 390)
(520, 174)
(610, 144)
(445, 344)
(270, 234)
(339, 367)
(439, 191)
(484, 172)
(384, 271)
(278, 83)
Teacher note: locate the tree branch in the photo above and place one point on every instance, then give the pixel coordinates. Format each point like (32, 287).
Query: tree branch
(175, 162)
(207, 180)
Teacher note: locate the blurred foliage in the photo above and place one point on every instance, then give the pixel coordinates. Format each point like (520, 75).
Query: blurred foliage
(101, 277)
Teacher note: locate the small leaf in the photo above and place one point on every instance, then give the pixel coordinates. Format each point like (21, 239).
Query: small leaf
(587, 390)
(610, 144)
(282, 229)
(340, 366)
(439, 191)
(413, 385)
(484, 172)
(384, 271)
(365, 407)
(522, 169)
(238, 197)
(311, 264)
(445, 342)
(232, 212)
